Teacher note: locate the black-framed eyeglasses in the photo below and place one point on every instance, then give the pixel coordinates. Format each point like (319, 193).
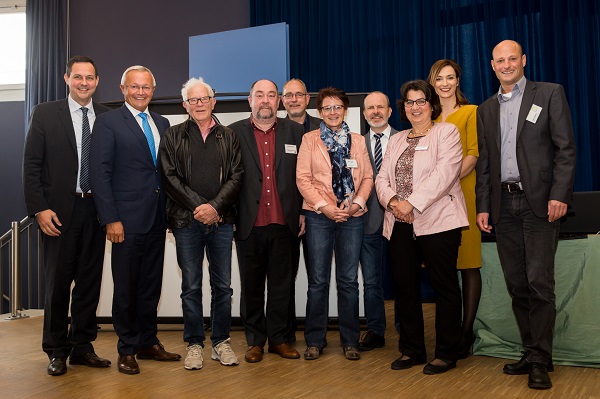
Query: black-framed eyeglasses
(419, 101)
(289, 96)
(194, 100)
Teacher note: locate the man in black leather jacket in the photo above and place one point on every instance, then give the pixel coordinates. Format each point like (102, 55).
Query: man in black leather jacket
(201, 162)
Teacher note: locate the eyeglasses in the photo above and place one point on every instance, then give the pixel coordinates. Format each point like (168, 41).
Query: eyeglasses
(420, 102)
(145, 89)
(331, 108)
(289, 96)
(194, 100)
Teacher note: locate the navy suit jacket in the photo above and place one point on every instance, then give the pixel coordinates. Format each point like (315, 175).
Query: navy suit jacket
(50, 160)
(374, 216)
(125, 182)
(545, 150)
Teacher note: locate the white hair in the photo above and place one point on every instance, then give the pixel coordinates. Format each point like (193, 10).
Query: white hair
(193, 82)
(137, 68)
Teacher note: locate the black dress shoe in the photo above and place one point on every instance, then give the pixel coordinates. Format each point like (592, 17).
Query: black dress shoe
(522, 367)
(538, 377)
(432, 369)
(400, 364)
(370, 341)
(127, 364)
(57, 366)
(89, 359)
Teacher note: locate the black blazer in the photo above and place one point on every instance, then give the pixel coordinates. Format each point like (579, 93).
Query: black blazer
(125, 182)
(287, 133)
(545, 150)
(50, 161)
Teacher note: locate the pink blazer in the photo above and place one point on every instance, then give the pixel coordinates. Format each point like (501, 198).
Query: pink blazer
(313, 173)
(437, 197)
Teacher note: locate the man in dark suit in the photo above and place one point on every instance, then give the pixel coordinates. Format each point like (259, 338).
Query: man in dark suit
(126, 180)
(525, 176)
(295, 101)
(57, 192)
(268, 222)
(377, 112)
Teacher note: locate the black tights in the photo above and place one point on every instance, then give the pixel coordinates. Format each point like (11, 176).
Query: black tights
(471, 292)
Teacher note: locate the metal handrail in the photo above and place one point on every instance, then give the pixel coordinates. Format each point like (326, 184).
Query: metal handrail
(13, 238)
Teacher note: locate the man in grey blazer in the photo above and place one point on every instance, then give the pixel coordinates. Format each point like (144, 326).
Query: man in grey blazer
(269, 222)
(525, 176)
(57, 192)
(377, 112)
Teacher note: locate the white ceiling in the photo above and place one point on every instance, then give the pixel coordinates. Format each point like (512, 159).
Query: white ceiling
(9, 6)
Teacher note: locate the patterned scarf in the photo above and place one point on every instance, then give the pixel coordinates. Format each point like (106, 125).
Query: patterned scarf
(338, 145)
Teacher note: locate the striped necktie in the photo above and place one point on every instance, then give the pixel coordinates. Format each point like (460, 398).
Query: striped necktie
(86, 139)
(378, 153)
(149, 136)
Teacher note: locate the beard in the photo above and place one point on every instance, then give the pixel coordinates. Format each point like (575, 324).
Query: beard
(377, 124)
(265, 113)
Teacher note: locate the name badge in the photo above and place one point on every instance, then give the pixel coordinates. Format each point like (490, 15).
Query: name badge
(421, 148)
(291, 149)
(534, 113)
(351, 163)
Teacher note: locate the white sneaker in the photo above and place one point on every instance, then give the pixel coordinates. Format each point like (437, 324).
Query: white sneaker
(224, 354)
(194, 358)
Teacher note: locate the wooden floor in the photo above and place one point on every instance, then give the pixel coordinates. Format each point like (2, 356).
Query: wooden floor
(23, 373)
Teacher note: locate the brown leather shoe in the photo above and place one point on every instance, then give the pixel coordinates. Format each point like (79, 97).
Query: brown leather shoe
(127, 364)
(57, 366)
(157, 352)
(284, 350)
(254, 354)
(89, 359)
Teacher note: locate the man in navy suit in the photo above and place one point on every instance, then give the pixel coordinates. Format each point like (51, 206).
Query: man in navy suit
(525, 176)
(373, 258)
(126, 180)
(57, 192)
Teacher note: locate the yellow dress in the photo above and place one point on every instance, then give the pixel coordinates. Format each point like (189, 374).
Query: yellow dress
(465, 119)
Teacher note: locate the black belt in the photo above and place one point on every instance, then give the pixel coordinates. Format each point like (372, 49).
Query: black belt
(512, 187)
(83, 195)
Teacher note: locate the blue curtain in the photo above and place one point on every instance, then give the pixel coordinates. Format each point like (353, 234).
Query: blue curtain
(46, 52)
(365, 45)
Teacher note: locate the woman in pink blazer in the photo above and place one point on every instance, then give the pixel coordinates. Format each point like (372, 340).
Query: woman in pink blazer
(418, 184)
(335, 178)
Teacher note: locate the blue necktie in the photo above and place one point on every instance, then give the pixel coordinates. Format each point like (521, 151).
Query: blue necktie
(86, 139)
(378, 153)
(149, 135)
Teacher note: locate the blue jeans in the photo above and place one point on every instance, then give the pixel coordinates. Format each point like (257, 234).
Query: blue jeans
(324, 237)
(372, 256)
(190, 244)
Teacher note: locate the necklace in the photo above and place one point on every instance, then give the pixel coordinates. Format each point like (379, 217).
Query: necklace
(413, 135)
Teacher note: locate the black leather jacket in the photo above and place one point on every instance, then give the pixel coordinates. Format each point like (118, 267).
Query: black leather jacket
(176, 166)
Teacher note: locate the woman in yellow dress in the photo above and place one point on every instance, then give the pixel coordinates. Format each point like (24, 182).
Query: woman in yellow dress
(444, 76)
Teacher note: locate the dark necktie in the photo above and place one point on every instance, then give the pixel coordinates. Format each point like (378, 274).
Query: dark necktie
(148, 134)
(378, 153)
(86, 139)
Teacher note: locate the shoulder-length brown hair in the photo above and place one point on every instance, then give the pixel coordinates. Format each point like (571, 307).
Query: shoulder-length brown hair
(435, 71)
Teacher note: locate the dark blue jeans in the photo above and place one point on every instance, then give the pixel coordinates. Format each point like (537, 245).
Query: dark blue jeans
(324, 237)
(372, 257)
(526, 246)
(190, 244)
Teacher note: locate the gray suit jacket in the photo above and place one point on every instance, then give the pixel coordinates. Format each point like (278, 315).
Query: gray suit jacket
(545, 150)
(289, 133)
(374, 217)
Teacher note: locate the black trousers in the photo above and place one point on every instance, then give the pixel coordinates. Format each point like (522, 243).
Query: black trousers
(76, 255)
(267, 254)
(137, 270)
(526, 247)
(439, 252)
